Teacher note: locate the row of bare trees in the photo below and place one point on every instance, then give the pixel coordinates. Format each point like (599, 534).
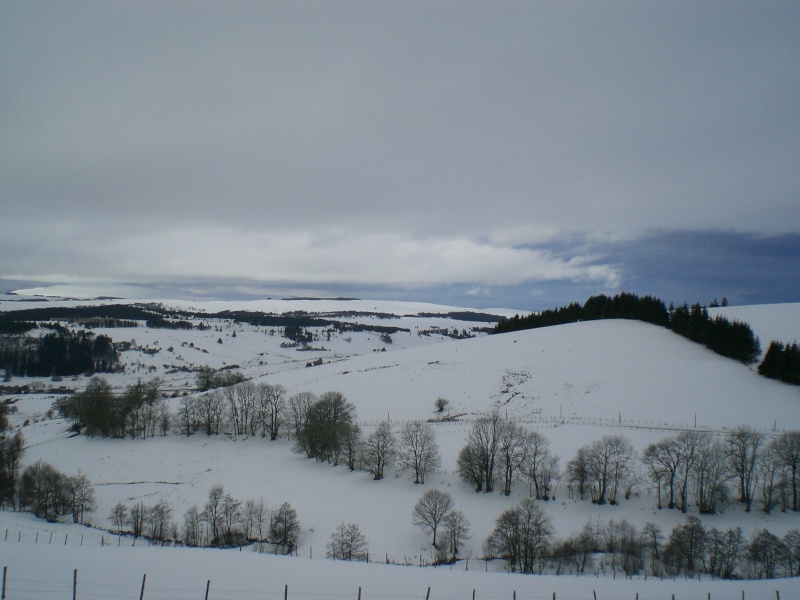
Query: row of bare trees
(250, 409)
(222, 521)
(700, 465)
(690, 466)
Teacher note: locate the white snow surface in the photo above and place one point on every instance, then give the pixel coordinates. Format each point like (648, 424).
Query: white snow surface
(575, 383)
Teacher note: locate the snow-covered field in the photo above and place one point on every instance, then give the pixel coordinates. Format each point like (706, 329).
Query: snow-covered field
(575, 383)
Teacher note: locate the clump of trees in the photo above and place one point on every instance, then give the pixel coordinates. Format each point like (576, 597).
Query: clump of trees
(50, 494)
(781, 362)
(209, 379)
(61, 352)
(139, 412)
(498, 448)
(522, 536)
(733, 339)
(249, 408)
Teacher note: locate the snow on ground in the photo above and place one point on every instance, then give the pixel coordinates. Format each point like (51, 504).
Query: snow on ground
(575, 383)
(46, 569)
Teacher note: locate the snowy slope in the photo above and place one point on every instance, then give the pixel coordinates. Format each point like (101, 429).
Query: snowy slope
(575, 383)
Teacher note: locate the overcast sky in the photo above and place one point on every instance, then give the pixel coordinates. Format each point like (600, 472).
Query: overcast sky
(519, 154)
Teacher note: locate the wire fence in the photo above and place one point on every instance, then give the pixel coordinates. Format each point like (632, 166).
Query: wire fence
(134, 587)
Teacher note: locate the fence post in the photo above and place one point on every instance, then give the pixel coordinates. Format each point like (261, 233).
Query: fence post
(286, 592)
(141, 594)
(359, 592)
(777, 593)
(75, 584)
(594, 595)
(5, 573)
(428, 594)
(208, 586)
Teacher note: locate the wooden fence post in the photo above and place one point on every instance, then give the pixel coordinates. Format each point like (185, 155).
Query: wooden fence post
(5, 573)
(359, 592)
(75, 584)
(286, 592)
(208, 587)
(141, 594)
(428, 594)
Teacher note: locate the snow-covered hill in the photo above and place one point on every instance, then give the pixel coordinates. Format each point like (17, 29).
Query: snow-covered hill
(575, 383)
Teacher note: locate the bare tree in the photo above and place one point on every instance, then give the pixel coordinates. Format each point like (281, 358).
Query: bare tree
(186, 418)
(787, 447)
(348, 543)
(540, 467)
(254, 517)
(212, 512)
(231, 516)
(765, 554)
(272, 408)
(211, 411)
(685, 548)
(441, 404)
(513, 451)
(771, 479)
(379, 450)
(81, 494)
(710, 473)
(419, 451)
(431, 509)
(477, 460)
(744, 445)
(241, 406)
(119, 516)
(609, 467)
(284, 527)
(298, 413)
(456, 530)
(137, 517)
(192, 527)
(522, 536)
(578, 472)
(158, 519)
(352, 445)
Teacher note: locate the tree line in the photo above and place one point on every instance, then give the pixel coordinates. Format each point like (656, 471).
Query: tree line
(59, 353)
(691, 468)
(733, 339)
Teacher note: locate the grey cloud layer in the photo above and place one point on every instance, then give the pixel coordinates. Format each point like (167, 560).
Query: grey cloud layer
(456, 140)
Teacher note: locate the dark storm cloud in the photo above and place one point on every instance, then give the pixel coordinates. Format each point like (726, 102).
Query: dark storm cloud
(469, 144)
